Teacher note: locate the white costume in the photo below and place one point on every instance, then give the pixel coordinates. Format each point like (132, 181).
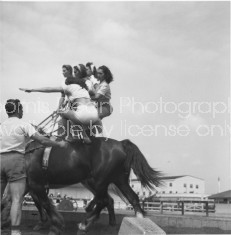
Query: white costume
(85, 113)
(91, 82)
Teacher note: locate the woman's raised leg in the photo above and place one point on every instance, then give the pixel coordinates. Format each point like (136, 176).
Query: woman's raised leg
(76, 124)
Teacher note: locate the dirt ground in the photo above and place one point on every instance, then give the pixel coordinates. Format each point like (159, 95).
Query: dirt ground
(101, 228)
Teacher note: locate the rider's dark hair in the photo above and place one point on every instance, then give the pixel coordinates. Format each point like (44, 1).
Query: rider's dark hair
(68, 68)
(92, 67)
(107, 73)
(88, 64)
(82, 71)
(80, 77)
(13, 106)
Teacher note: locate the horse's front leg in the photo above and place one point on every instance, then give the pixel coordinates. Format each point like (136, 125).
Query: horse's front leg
(91, 218)
(90, 205)
(101, 202)
(43, 222)
(5, 212)
(109, 205)
(56, 220)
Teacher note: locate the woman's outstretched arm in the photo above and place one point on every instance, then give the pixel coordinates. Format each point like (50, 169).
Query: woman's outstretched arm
(43, 89)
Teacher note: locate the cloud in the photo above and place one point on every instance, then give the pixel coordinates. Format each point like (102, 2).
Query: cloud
(193, 122)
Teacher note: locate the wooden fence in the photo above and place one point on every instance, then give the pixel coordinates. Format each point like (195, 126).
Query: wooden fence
(182, 206)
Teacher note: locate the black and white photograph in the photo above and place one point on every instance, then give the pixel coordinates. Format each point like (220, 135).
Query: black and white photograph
(115, 117)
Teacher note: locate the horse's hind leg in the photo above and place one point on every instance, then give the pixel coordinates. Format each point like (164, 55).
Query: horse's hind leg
(131, 196)
(111, 211)
(56, 220)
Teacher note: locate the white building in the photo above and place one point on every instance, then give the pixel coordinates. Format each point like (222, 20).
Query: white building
(182, 184)
(182, 187)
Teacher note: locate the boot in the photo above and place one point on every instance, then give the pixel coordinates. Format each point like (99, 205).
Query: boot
(72, 137)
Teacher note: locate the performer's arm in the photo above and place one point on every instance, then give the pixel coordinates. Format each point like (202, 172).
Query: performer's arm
(47, 142)
(96, 96)
(43, 89)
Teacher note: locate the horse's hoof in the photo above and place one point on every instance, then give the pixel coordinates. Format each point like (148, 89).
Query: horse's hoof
(139, 215)
(80, 232)
(112, 223)
(54, 233)
(82, 227)
(37, 227)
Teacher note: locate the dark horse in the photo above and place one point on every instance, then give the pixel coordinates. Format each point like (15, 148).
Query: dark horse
(103, 162)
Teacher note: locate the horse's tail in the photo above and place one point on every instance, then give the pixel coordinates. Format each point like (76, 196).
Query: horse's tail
(136, 160)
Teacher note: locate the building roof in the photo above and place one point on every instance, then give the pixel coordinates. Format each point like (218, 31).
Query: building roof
(222, 195)
(171, 177)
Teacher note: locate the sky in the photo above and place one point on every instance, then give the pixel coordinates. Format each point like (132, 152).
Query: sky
(171, 68)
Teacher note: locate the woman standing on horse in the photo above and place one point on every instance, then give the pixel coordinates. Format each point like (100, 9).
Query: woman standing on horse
(82, 110)
(102, 93)
(91, 80)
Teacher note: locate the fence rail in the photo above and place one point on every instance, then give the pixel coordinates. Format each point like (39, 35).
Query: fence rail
(182, 206)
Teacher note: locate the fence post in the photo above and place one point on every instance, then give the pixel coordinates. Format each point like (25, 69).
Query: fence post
(182, 209)
(143, 204)
(207, 208)
(161, 207)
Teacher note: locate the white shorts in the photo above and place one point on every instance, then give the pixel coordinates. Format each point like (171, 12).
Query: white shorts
(87, 114)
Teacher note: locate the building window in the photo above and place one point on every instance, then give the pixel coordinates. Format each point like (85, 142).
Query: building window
(185, 185)
(132, 185)
(191, 186)
(197, 186)
(144, 193)
(170, 184)
(170, 191)
(176, 192)
(163, 192)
